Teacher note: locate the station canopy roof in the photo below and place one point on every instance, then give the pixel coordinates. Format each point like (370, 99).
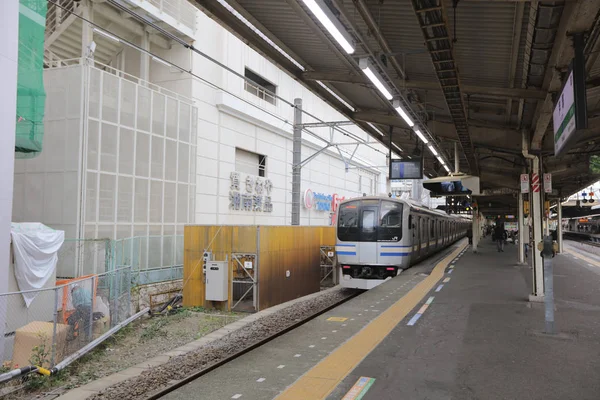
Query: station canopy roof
(483, 75)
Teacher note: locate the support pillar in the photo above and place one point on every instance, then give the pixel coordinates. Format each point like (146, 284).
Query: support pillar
(476, 230)
(144, 57)
(9, 55)
(456, 159)
(537, 212)
(296, 161)
(521, 230)
(559, 229)
(87, 32)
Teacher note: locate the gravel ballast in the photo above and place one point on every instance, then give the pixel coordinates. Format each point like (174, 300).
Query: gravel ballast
(179, 367)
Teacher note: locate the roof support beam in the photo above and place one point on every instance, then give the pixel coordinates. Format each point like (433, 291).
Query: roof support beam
(514, 93)
(519, 9)
(577, 17)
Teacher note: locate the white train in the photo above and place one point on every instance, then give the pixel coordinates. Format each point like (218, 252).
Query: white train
(378, 237)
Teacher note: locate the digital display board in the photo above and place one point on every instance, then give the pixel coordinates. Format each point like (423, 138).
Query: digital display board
(406, 169)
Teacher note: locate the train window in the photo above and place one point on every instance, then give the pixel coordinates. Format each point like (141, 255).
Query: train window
(368, 221)
(432, 229)
(390, 225)
(348, 221)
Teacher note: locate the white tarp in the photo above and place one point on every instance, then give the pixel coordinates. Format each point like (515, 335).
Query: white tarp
(35, 248)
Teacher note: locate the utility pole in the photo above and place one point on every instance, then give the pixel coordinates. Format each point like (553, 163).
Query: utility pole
(297, 161)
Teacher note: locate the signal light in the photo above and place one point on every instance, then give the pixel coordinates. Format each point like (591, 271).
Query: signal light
(346, 267)
(390, 269)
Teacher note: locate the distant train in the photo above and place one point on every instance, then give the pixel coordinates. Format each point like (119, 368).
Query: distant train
(378, 237)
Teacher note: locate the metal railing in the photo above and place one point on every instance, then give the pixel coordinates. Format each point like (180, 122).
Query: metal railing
(56, 16)
(181, 10)
(61, 320)
(115, 71)
(260, 92)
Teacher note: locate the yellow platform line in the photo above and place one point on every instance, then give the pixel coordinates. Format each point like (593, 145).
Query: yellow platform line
(584, 258)
(324, 377)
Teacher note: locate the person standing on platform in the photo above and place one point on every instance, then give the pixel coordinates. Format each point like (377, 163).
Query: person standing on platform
(470, 235)
(500, 236)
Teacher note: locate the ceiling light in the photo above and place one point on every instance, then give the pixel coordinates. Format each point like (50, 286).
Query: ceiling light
(421, 136)
(433, 150)
(331, 23)
(260, 34)
(334, 94)
(446, 168)
(441, 160)
(107, 35)
(403, 114)
(396, 146)
(374, 77)
(375, 128)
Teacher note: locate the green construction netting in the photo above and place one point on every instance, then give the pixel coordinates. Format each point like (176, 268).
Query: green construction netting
(30, 84)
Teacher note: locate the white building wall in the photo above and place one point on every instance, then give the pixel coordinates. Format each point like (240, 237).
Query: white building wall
(229, 118)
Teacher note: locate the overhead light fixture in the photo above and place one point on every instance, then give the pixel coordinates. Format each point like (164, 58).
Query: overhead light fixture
(396, 146)
(421, 136)
(403, 114)
(331, 23)
(433, 150)
(107, 35)
(334, 94)
(366, 67)
(446, 168)
(158, 60)
(376, 129)
(260, 34)
(441, 160)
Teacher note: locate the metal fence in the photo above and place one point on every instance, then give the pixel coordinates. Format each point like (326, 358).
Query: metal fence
(81, 257)
(62, 319)
(152, 259)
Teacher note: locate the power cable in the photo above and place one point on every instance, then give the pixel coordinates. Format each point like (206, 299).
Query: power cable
(147, 52)
(192, 48)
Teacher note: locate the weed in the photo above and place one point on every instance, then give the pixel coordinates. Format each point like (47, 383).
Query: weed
(154, 329)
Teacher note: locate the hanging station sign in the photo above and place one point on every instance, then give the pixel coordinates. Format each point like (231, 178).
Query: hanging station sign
(250, 193)
(321, 201)
(524, 183)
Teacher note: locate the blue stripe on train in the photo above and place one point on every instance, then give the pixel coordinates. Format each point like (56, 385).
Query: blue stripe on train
(393, 254)
(346, 253)
(345, 245)
(395, 247)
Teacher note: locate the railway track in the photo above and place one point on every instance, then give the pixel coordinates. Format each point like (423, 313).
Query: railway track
(198, 373)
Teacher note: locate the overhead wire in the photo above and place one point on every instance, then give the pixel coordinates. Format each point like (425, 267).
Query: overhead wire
(195, 50)
(215, 86)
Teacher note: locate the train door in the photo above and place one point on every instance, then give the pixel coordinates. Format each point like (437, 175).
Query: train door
(423, 230)
(417, 236)
(367, 247)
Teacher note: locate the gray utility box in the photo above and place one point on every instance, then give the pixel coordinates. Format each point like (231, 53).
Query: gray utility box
(217, 279)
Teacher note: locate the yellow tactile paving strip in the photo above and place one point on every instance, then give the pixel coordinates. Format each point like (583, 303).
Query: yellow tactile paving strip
(324, 377)
(584, 258)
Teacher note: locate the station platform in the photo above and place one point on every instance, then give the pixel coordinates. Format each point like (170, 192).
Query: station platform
(454, 327)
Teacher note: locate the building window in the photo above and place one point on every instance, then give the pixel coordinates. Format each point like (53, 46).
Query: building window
(366, 185)
(258, 85)
(250, 163)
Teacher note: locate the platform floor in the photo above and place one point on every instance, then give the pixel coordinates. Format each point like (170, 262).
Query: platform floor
(479, 338)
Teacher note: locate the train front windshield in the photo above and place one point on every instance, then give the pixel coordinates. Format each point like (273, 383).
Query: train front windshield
(370, 221)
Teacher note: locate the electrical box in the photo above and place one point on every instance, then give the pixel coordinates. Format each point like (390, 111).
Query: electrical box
(217, 279)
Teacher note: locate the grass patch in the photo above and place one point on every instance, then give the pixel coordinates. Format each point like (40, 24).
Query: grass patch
(154, 329)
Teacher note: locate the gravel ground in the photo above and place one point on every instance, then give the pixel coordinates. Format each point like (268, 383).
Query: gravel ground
(180, 367)
(143, 339)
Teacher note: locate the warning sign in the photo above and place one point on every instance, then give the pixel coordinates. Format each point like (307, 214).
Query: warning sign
(524, 183)
(547, 183)
(337, 319)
